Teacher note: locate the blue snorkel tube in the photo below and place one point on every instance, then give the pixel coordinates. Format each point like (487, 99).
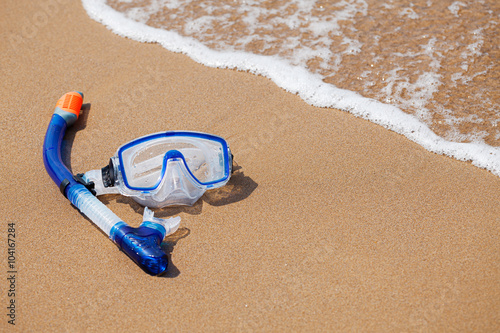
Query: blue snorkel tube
(142, 244)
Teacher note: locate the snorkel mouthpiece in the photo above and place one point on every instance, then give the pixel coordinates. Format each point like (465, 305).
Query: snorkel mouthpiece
(142, 244)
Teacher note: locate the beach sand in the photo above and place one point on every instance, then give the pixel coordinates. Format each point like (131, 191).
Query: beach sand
(329, 222)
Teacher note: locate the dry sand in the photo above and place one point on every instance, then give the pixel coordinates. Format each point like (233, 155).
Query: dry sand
(329, 223)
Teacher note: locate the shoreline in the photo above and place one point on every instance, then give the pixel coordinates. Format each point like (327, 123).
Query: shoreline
(316, 91)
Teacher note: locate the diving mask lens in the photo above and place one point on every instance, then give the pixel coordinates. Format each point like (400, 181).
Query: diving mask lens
(206, 158)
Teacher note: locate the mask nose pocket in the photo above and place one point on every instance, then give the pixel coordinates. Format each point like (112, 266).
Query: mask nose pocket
(174, 176)
(173, 173)
(176, 187)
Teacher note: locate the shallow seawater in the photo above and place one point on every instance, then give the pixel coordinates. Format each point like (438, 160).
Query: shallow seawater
(438, 60)
(435, 60)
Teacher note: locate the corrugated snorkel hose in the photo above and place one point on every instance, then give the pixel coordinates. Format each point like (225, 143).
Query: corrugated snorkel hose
(142, 244)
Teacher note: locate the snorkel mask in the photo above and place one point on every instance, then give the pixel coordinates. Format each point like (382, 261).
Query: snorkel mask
(166, 169)
(169, 168)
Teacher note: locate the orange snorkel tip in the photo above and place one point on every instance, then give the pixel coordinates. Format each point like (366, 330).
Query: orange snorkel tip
(71, 102)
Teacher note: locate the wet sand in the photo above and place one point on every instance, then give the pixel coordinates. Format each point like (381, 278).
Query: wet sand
(329, 222)
(435, 60)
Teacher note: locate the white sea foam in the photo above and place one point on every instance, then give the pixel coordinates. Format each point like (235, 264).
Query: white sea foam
(292, 75)
(455, 7)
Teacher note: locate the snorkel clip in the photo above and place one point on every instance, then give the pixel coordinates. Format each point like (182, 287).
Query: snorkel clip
(89, 185)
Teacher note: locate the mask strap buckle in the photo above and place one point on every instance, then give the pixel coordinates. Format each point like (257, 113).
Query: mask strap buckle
(108, 174)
